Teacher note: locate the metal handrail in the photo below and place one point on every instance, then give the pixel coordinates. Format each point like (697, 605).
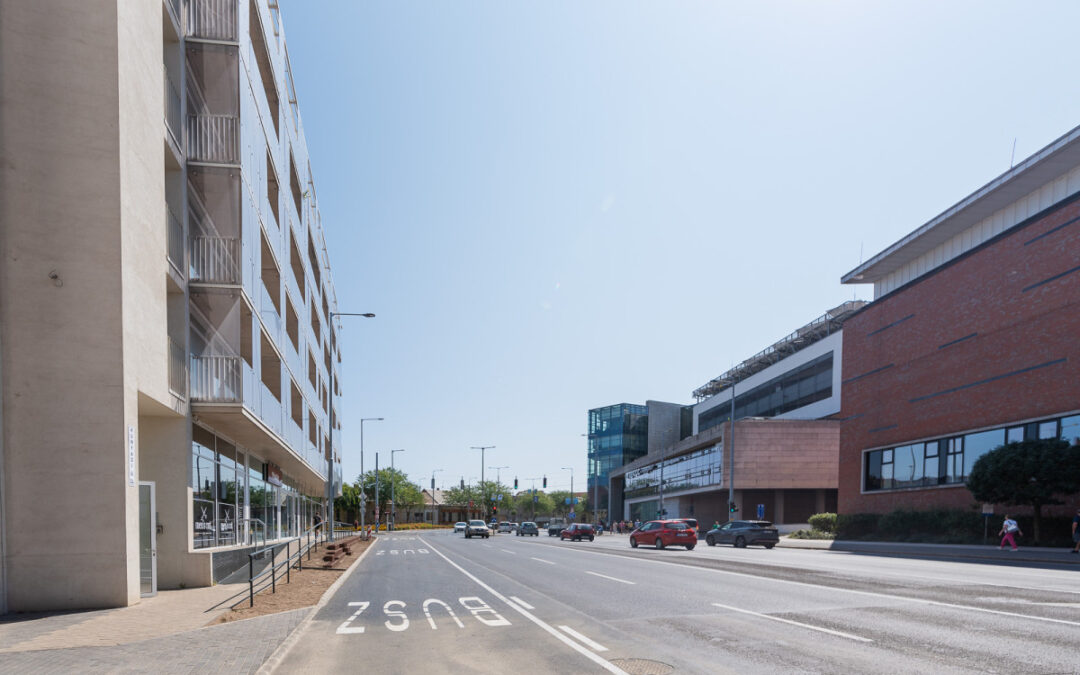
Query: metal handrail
(255, 520)
(259, 582)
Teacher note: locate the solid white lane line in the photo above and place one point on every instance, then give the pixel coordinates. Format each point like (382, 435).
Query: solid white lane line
(603, 663)
(588, 643)
(542, 560)
(621, 581)
(505, 551)
(818, 587)
(521, 602)
(795, 623)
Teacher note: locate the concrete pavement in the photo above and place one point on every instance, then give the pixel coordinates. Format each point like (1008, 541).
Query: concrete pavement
(1026, 554)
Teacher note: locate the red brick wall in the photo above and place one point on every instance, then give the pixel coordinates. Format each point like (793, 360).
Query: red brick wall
(784, 454)
(988, 292)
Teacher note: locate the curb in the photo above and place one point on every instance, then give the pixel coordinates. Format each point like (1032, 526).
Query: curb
(893, 549)
(274, 660)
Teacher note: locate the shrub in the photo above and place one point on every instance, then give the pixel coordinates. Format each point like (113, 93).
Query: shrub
(811, 534)
(945, 526)
(824, 522)
(856, 525)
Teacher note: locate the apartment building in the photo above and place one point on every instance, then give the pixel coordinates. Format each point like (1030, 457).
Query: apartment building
(166, 349)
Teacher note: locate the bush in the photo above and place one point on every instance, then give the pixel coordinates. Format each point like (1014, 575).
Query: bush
(824, 522)
(856, 525)
(811, 534)
(421, 526)
(946, 526)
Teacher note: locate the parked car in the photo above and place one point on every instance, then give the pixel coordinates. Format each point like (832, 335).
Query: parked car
(664, 533)
(555, 527)
(459, 526)
(477, 528)
(577, 532)
(741, 533)
(528, 528)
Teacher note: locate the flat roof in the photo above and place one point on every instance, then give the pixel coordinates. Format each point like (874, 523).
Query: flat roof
(1053, 161)
(818, 329)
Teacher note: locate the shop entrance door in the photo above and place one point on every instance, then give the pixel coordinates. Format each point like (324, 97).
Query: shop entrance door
(147, 540)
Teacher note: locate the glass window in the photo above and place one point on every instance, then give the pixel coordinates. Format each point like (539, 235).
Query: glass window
(1070, 429)
(1014, 435)
(873, 470)
(908, 465)
(954, 460)
(1048, 430)
(977, 445)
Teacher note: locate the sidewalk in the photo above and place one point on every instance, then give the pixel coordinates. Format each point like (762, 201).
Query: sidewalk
(1028, 554)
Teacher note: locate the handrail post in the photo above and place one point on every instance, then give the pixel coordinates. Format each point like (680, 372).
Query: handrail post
(309, 544)
(251, 580)
(299, 556)
(273, 571)
(288, 562)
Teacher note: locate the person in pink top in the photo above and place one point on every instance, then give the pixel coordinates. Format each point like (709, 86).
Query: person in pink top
(1008, 529)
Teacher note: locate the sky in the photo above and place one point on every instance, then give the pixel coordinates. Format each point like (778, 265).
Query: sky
(556, 206)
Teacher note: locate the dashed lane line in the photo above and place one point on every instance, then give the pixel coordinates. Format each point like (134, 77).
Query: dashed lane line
(849, 636)
(621, 581)
(506, 551)
(603, 663)
(548, 562)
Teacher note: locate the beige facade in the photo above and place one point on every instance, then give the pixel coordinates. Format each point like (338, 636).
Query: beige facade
(119, 334)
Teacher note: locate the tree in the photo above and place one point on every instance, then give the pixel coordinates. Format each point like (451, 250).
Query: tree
(1030, 473)
(391, 482)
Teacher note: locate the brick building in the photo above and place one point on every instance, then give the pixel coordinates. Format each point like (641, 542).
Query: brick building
(971, 341)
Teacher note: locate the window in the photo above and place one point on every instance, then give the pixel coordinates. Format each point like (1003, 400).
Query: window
(977, 445)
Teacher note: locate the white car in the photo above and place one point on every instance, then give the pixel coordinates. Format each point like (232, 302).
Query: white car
(459, 527)
(505, 526)
(477, 528)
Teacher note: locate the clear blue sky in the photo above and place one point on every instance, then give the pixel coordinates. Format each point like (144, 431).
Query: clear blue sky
(555, 206)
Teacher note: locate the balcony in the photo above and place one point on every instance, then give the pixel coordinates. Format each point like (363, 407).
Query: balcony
(213, 138)
(178, 370)
(212, 19)
(175, 250)
(215, 260)
(217, 379)
(172, 108)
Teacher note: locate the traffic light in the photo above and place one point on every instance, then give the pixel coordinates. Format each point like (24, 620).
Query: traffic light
(462, 483)
(545, 482)
(732, 508)
(515, 482)
(494, 509)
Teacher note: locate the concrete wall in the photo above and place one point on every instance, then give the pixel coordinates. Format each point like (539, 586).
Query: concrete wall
(988, 339)
(65, 415)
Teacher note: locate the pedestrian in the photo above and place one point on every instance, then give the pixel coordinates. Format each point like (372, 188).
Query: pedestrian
(1076, 532)
(716, 525)
(1008, 529)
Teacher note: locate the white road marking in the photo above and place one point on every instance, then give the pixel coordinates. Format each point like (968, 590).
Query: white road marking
(621, 581)
(603, 663)
(521, 602)
(505, 551)
(795, 623)
(548, 562)
(345, 628)
(448, 608)
(844, 590)
(589, 643)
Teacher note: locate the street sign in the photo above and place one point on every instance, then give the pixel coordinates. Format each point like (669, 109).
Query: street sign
(572, 515)
(760, 511)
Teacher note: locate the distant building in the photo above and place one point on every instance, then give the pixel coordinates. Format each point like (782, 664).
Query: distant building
(618, 434)
(169, 363)
(786, 451)
(971, 340)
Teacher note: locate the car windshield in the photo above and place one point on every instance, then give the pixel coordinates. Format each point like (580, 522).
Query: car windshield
(477, 523)
(528, 524)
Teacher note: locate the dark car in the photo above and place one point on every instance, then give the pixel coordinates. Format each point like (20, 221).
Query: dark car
(555, 527)
(742, 533)
(664, 533)
(577, 532)
(528, 528)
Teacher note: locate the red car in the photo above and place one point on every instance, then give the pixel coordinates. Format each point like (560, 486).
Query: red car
(664, 533)
(577, 532)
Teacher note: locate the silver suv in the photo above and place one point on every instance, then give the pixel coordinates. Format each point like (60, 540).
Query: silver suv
(477, 528)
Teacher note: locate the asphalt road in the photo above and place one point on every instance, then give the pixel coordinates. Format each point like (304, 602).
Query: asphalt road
(438, 603)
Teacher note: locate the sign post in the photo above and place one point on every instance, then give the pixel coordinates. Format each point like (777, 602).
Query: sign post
(987, 511)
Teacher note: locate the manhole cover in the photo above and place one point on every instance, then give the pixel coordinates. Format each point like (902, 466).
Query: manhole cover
(643, 666)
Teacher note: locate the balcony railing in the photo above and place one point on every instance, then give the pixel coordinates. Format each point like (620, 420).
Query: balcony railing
(217, 379)
(212, 19)
(175, 251)
(177, 369)
(214, 138)
(215, 260)
(172, 107)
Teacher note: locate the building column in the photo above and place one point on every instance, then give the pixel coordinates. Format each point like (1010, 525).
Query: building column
(778, 504)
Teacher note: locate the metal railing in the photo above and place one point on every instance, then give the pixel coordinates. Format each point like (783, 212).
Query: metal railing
(215, 260)
(177, 369)
(213, 138)
(212, 19)
(172, 107)
(216, 378)
(268, 578)
(175, 234)
(256, 521)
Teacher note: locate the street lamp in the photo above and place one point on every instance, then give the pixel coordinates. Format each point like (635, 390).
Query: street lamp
(327, 507)
(497, 468)
(483, 495)
(571, 487)
(435, 471)
(363, 494)
(393, 484)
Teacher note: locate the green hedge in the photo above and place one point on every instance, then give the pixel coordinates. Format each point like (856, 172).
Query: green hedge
(824, 522)
(946, 526)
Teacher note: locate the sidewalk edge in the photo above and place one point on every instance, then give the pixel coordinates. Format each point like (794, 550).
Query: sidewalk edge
(274, 660)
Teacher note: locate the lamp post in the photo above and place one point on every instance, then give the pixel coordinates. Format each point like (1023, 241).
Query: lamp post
(392, 517)
(571, 487)
(434, 471)
(497, 468)
(483, 492)
(363, 495)
(328, 506)
(731, 453)
(533, 496)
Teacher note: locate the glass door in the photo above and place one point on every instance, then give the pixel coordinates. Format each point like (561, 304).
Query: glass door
(147, 540)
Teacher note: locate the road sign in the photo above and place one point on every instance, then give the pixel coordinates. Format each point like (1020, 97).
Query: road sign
(760, 511)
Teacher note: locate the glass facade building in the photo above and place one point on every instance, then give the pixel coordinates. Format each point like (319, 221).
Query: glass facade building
(618, 434)
(809, 383)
